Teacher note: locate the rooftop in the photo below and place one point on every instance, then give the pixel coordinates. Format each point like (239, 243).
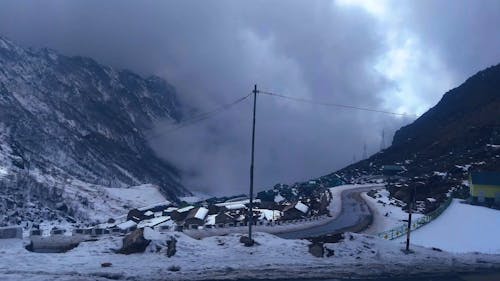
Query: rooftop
(486, 178)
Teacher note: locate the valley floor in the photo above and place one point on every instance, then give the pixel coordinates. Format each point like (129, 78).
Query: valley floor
(224, 258)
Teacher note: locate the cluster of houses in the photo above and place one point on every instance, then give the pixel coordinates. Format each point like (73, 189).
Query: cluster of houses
(222, 214)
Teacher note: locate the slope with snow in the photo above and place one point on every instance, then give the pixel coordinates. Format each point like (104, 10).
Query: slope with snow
(462, 228)
(68, 120)
(386, 212)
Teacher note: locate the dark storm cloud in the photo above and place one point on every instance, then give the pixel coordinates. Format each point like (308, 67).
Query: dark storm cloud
(213, 52)
(465, 33)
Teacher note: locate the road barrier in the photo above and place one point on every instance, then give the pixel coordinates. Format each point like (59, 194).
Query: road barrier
(403, 229)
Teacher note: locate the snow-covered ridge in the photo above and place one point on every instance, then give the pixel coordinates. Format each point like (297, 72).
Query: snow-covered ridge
(70, 119)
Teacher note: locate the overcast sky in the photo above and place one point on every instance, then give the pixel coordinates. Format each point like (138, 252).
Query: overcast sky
(399, 56)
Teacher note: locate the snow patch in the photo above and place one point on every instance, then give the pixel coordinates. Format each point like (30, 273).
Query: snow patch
(462, 228)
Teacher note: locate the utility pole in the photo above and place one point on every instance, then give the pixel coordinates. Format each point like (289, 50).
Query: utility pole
(250, 211)
(410, 206)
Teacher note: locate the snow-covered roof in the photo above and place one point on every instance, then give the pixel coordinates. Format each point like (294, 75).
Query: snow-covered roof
(278, 198)
(201, 213)
(166, 223)
(246, 201)
(126, 225)
(153, 222)
(235, 206)
(301, 207)
(148, 213)
(211, 220)
(171, 209)
(269, 214)
(185, 209)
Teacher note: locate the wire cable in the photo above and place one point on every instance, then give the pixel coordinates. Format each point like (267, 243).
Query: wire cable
(201, 117)
(332, 104)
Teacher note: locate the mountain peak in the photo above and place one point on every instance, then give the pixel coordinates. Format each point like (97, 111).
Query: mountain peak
(73, 118)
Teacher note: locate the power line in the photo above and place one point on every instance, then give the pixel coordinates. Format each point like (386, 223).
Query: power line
(331, 104)
(201, 116)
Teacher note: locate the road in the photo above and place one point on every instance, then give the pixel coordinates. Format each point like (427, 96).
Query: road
(354, 216)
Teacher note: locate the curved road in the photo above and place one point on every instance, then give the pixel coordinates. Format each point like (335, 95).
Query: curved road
(354, 216)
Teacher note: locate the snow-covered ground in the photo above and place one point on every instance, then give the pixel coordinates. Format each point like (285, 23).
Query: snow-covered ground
(386, 215)
(224, 257)
(137, 196)
(462, 228)
(105, 202)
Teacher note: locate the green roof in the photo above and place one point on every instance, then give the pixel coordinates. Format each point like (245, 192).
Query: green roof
(486, 178)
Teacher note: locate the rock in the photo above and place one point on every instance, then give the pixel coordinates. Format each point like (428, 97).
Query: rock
(247, 241)
(61, 206)
(330, 238)
(134, 242)
(106, 264)
(171, 247)
(329, 252)
(174, 268)
(317, 250)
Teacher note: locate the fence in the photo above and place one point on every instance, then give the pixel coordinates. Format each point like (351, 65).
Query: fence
(403, 229)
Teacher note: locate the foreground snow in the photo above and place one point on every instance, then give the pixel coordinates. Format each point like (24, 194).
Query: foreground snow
(223, 257)
(462, 228)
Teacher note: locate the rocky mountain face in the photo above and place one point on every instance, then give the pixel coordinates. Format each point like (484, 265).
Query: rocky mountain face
(458, 135)
(70, 118)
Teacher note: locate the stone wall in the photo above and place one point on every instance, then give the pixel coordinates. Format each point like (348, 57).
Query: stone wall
(12, 232)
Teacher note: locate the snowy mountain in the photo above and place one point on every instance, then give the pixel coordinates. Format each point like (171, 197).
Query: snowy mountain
(67, 119)
(437, 151)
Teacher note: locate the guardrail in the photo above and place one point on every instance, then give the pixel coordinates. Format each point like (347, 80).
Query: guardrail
(403, 229)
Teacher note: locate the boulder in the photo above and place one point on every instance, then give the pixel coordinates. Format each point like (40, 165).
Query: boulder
(245, 240)
(134, 242)
(171, 247)
(317, 250)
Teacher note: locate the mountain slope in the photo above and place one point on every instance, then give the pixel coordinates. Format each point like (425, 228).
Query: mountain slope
(71, 118)
(459, 134)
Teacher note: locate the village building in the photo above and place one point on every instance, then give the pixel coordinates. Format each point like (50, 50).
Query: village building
(225, 218)
(485, 188)
(153, 222)
(269, 215)
(128, 225)
(168, 211)
(196, 216)
(137, 216)
(180, 214)
(213, 209)
(295, 211)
